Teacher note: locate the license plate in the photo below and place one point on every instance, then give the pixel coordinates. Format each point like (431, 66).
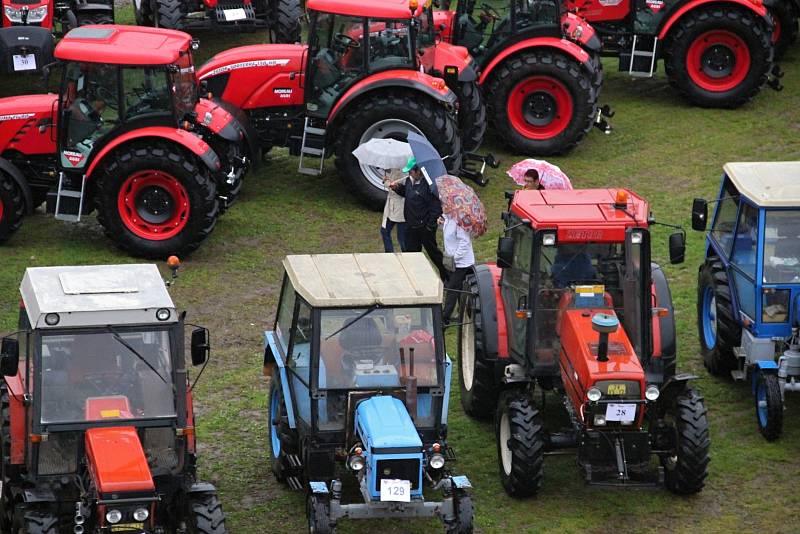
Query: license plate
(395, 490)
(625, 413)
(24, 62)
(232, 15)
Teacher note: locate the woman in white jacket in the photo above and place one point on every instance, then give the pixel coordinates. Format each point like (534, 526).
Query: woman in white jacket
(458, 245)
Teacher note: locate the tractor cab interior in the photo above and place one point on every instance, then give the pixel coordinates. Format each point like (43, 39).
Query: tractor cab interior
(495, 25)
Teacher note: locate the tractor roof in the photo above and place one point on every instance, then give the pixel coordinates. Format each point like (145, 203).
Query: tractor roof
(122, 45)
(581, 215)
(375, 9)
(355, 280)
(95, 295)
(768, 184)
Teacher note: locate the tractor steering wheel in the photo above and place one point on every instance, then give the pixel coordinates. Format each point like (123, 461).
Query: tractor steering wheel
(345, 41)
(84, 111)
(105, 383)
(491, 11)
(106, 96)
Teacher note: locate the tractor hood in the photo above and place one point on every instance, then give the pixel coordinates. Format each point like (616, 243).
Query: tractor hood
(443, 55)
(17, 115)
(383, 423)
(117, 461)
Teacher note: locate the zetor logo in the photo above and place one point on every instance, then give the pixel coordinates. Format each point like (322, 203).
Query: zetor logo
(655, 5)
(74, 158)
(247, 65)
(16, 117)
(583, 235)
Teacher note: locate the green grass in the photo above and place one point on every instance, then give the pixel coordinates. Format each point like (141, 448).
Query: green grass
(662, 148)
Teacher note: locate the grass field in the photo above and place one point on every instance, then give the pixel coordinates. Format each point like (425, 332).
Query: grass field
(662, 148)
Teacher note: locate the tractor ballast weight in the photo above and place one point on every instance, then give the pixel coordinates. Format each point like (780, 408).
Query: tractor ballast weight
(98, 423)
(359, 390)
(574, 306)
(749, 284)
(357, 79)
(155, 160)
(716, 54)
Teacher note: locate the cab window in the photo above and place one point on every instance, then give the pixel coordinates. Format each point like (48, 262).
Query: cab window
(299, 359)
(283, 323)
(146, 92)
(744, 244)
(389, 45)
(725, 218)
(91, 99)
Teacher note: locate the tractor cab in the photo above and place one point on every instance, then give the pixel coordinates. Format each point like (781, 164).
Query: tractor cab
(100, 403)
(362, 387)
(749, 284)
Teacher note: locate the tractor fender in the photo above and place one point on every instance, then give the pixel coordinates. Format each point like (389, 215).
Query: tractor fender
(754, 5)
(664, 340)
(446, 55)
(187, 140)
(674, 386)
(242, 122)
(19, 179)
(273, 355)
(562, 45)
(487, 275)
(586, 36)
(767, 367)
(395, 78)
(201, 487)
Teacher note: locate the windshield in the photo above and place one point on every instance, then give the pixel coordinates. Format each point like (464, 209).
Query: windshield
(97, 377)
(782, 247)
(378, 349)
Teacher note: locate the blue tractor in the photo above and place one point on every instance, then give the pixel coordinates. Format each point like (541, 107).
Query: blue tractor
(749, 284)
(359, 390)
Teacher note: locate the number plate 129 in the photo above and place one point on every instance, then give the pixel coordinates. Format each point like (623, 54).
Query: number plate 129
(395, 490)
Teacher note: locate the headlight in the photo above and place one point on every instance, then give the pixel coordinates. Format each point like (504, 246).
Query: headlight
(113, 516)
(162, 314)
(14, 15)
(594, 394)
(599, 420)
(636, 238)
(651, 393)
(52, 319)
(436, 461)
(37, 14)
(356, 463)
(141, 514)
(549, 239)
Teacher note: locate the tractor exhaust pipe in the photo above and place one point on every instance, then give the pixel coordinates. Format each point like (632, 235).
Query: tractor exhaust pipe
(80, 519)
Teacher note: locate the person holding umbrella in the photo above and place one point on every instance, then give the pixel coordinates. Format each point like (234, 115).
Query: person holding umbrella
(393, 216)
(458, 246)
(538, 174)
(421, 211)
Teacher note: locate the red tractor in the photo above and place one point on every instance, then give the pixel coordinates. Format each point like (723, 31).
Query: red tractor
(785, 15)
(358, 78)
(97, 432)
(575, 307)
(539, 70)
(127, 136)
(716, 53)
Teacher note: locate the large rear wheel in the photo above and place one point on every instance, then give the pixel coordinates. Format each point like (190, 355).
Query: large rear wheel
(541, 102)
(719, 332)
(719, 57)
(282, 439)
(12, 207)
(392, 114)
(284, 23)
(520, 443)
(471, 116)
(143, 12)
(784, 20)
(170, 14)
(155, 200)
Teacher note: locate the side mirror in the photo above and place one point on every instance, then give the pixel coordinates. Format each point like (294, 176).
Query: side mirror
(200, 346)
(699, 215)
(9, 357)
(677, 247)
(505, 252)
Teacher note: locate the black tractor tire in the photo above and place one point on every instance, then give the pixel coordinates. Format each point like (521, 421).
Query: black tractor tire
(12, 207)
(464, 515)
(318, 512)
(34, 522)
(96, 17)
(668, 332)
(719, 358)
(521, 460)
(285, 18)
(207, 516)
(289, 442)
(772, 425)
(381, 113)
(144, 15)
(471, 115)
(170, 14)
(6, 500)
(561, 75)
(784, 16)
(176, 168)
(746, 26)
(685, 471)
(479, 391)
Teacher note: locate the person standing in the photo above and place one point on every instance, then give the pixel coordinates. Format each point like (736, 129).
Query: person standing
(421, 211)
(458, 246)
(393, 214)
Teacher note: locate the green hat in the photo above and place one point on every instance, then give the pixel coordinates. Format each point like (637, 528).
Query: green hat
(412, 162)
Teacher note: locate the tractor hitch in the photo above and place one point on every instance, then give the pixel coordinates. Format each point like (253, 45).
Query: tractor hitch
(774, 78)
(472, 161)
(600, 122)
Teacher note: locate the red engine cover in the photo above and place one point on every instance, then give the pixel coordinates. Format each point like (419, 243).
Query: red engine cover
(600, 10)
(21, 124)
(117, 460)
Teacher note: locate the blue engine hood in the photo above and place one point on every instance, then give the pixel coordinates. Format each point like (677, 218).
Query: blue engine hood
(383, 422)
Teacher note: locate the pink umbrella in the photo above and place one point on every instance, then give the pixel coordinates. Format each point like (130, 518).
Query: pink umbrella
(550, 176)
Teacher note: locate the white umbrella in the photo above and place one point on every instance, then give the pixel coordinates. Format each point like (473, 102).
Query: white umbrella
(383, 153)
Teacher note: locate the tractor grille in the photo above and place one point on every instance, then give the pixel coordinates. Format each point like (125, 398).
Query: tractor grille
(59, 454)
(399, 469)
(159, 446)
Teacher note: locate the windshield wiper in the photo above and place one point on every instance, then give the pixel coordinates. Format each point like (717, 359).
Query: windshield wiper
(134, 351)
(354, 321)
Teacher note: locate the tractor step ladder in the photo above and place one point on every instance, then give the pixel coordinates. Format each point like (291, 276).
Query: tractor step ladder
(739, 374)
(648, 55)
(69, 199)
(313, 146)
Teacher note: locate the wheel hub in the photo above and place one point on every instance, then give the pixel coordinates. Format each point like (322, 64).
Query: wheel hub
(155, 205)
(540, 108)
(718, 61)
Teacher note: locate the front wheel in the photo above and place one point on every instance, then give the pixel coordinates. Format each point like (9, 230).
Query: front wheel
(464, 512)
(155, 200)
(318, 512)
(206, 514)
(769, 406)
(392, 114)
(520, 444)
(12, 207)
(541, 102)
(718, 57)
(282, 439)
(686, 466)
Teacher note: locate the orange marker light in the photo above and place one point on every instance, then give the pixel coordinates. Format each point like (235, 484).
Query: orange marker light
(621, 199)
(436, 447)
(413, 4)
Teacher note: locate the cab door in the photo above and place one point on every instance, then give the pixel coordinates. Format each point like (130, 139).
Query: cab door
(515, 288)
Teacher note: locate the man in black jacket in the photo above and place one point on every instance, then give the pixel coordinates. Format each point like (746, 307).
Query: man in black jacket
(421, 211)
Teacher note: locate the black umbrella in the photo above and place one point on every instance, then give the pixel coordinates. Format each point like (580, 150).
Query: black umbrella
(428, 159)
